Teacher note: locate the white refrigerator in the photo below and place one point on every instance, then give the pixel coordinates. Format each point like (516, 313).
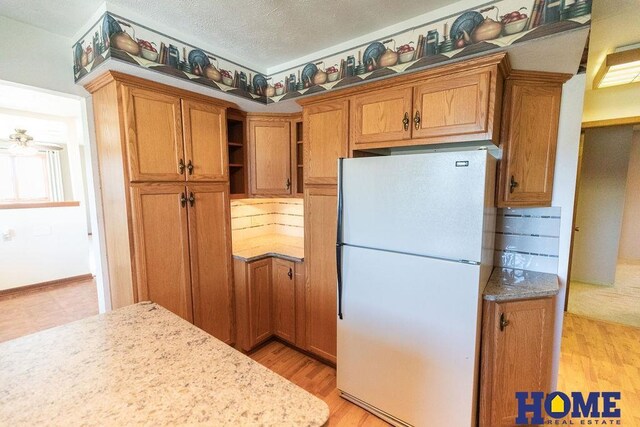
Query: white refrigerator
(414, 252)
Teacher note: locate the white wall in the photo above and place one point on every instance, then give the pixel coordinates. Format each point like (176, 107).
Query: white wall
(36, 57)
(601, 194)
(630, 235)
(43, 244)
(563, 192)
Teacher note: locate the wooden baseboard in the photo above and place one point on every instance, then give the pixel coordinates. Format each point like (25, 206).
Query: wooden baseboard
(13, 292)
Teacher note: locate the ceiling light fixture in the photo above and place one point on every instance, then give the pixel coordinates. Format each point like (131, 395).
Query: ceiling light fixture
(619, 68)
(21, 144)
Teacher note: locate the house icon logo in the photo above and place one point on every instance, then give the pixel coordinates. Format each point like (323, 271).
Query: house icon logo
(598, 408)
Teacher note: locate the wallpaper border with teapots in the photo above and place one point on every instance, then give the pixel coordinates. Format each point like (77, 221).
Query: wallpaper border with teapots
(485, 29)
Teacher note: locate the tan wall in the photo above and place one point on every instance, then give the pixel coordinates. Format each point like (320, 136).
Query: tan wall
(630, 236)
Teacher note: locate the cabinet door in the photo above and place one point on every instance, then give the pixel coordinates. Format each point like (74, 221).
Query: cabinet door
(161, 242)
(320, 260)
(453, 108)
(260, 300)
(516, 356)
(301, 306)
(154, 135)
(381, 116)
(210, 245)
(270, 156)
(205, 141)
(530, 136)
(326, 130)
(284, 299)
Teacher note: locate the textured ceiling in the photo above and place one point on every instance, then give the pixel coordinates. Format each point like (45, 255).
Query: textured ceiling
(63, 17)
(266, 32)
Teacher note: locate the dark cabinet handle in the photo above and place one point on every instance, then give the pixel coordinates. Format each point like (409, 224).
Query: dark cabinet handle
(288, 183)
(192, 199)
(181, 166)
(503, 322)
(512, 184)
(416, 120)
(290, 273)
(405, 121)
(183, 200)
(190, 167)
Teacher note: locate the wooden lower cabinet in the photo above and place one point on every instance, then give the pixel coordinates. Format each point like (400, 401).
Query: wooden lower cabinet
(210, 254)
(269, 301)
(161, 240)
(517, 339)
(320, 206)
(284, 299)
(182, 255)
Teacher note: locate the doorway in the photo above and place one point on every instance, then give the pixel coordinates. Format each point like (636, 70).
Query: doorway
(605, 264)
(48, 247)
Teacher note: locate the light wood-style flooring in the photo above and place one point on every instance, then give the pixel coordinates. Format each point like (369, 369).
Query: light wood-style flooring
(35, 310)
(619, 303)
(595, 355)
(602, 356)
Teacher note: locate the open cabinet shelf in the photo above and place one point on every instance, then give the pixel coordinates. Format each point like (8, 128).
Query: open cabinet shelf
(237, 148)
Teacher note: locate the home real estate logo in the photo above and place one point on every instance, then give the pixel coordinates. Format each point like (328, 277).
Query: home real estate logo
(558, 408)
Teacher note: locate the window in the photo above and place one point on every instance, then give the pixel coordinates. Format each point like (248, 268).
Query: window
(24, 178)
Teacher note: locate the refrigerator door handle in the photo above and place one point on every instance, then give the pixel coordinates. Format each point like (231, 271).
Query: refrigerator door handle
(339, 242)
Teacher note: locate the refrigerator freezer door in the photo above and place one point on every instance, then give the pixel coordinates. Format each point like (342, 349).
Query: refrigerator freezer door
(408, 342)
(427, 204)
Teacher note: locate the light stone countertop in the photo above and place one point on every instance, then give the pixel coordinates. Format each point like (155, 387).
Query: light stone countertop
(143, 365)
(508, 284)
(271, 245)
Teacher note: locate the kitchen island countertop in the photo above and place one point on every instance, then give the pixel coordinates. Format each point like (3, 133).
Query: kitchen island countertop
(271, 245)
(143, 365)
(507, 284)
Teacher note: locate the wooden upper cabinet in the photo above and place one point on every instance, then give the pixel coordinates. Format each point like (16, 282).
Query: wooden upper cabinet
(453, 108)
(529, 139)
(320, 226)
(270, 157)
(517, 340)
(326, 130)
(380, 116)
(210, 250)
(153, 135)
(260, 283)
(205, 141)
(284, 299)
(160, 235)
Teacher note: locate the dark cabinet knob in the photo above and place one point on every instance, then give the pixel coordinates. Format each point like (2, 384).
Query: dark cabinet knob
(181, 166)
(183, 200)
(405, 121)
(512, 184)
(190, 167)
(416, 120)
(503, 322)
(290, 273)
(192, 199)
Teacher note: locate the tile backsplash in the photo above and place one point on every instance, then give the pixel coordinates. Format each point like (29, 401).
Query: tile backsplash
(257, 217)
(528, 239)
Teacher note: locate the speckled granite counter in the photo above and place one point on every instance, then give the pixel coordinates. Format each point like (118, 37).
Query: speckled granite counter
(143, 365)
(271, 245)
(508, 284)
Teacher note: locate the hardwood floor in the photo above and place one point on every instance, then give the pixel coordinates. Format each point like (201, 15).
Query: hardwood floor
(619, 303)
(318, 379)
(602, 356)
(34, 310)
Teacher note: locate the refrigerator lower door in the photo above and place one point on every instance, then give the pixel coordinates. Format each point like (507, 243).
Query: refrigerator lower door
(408, 341)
